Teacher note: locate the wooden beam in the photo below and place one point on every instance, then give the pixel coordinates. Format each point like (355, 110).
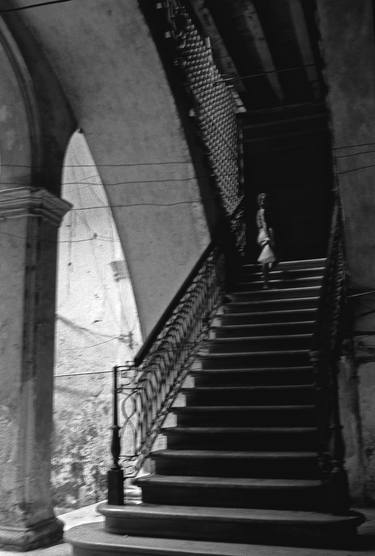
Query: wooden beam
(255, 29)
(303, 40)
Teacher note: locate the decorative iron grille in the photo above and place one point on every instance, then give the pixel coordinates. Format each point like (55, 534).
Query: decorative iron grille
(215, 110)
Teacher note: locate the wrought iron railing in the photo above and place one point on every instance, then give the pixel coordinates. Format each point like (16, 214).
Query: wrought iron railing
(327, 347)
(145, 390)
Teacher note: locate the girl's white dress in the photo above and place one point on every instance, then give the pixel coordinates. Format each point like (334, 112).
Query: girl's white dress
(267, 256)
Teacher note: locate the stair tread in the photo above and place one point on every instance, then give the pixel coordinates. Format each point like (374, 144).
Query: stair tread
(97, 538)
(275, 290)
(243, 282)
(263, 337)
(271, 301)
(258, 352)
(257, 271)
(277, 312)
(268, 324)
(256, 388)
(243, 430)
(241, 408)
(293, 261)
(228, 481)
(224, 514)
(230, 454)
(254, 369)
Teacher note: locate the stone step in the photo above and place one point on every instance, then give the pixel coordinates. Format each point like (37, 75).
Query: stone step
(255, 282)
(265, 329)
(232, 492)
(93, 540)
(246, 415)
(247, 316)
(277, 304)
(266, 342)
(229, 463)
(250, 359)
(287, 394)
(255, 274)
(248, 376)
(240, 438)
(296, 264)
(274, 293)
(228, 524)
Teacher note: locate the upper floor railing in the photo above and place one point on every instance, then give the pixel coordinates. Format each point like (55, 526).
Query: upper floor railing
(214, 109)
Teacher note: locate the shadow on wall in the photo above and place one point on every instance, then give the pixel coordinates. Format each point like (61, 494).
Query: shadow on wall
(97, 327)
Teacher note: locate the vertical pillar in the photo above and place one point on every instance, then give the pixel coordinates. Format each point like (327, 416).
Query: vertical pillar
(347, 45)
(29, 219)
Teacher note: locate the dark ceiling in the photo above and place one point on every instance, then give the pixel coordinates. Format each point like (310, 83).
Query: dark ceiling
(268, 49)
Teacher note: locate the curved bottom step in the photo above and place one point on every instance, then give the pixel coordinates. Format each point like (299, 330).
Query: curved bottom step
(244, 525)
(92, 540)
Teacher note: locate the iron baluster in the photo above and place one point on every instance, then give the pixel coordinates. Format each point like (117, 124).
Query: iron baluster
(115, 474)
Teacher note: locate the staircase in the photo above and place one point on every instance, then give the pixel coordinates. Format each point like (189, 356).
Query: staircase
(240, 465)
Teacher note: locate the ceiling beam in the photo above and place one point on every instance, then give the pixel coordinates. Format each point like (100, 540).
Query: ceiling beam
(255, 29)
(303, 40)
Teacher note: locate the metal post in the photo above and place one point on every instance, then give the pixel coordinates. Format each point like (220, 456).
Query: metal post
(115, 476)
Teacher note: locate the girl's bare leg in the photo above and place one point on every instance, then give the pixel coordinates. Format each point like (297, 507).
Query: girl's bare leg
(265, 271)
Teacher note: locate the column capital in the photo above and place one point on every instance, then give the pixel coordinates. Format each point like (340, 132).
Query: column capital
(32, 201)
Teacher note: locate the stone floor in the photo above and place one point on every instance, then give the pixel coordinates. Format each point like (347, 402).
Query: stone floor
(71, 519)
(89, 515)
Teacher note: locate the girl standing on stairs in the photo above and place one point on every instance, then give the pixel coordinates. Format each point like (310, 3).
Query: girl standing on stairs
(267, 256)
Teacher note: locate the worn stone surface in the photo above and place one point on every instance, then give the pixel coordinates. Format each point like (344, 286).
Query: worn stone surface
(347, 44)
(352, 426)
(27, 277)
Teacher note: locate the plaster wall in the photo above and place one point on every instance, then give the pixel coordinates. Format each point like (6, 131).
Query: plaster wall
(347, 43)
(109, 69)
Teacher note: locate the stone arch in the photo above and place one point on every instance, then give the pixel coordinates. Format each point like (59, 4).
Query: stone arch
(20, 147)
(29, 217)
(121, 98)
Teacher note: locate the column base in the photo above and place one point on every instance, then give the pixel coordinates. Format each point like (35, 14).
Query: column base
(19, 539)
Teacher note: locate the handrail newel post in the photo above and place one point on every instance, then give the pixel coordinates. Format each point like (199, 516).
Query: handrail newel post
(115, 476)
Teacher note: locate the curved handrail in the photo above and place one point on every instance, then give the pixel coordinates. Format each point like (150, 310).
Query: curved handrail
(144, 392)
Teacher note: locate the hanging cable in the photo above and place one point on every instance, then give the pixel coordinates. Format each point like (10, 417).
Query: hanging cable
(30, 6)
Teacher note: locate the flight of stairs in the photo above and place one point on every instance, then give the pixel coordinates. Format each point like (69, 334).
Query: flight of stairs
(240, 466)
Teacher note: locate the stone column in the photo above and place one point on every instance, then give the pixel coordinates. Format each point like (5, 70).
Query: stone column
(29, 219)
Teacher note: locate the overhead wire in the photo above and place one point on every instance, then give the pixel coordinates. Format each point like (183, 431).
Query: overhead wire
(30, 6)
(86, 223)
(102, 165)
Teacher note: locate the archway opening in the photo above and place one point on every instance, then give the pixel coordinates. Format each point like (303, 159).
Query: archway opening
(97, 327)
